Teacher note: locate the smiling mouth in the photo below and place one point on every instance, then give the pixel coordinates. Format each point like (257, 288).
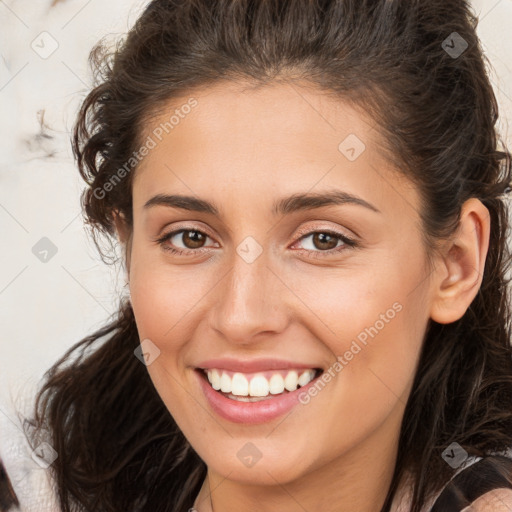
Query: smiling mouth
(255, 387)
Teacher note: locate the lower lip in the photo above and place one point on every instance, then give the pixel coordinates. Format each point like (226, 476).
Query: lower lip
(250, 412)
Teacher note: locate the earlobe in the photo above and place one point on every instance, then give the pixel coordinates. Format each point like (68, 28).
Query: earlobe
(460, 268)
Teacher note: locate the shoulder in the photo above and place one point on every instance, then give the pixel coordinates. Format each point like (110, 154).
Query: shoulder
(497, 500)
(25, 480)
(8, 498)
(480, 484)
(483, 486)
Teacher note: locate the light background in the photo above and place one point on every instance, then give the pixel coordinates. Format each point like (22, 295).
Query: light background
(47, 307)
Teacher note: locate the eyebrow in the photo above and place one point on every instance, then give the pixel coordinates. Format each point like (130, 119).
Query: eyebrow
(283, 206)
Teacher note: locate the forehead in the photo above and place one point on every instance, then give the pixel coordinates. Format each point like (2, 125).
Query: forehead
(277, 114)
(275, 139)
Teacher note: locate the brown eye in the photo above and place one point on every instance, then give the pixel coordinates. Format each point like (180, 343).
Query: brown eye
(184, 241)
(195, 241)
(321, 241)
(320, 244)
(324, 241)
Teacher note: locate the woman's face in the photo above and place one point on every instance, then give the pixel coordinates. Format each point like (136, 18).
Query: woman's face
(269, 284)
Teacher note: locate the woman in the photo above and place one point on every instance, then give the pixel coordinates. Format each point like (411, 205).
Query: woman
(309, 196)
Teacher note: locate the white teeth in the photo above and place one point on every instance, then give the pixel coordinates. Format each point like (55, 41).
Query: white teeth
(258, 386)
(239, 384)
(215, 380)
(276, 384)
(291, 381)
(225, 383)
(306, 377)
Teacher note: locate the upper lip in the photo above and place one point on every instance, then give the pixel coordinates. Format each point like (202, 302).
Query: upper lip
(256, 365)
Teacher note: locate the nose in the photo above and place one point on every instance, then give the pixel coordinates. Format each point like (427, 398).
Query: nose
(250, 301)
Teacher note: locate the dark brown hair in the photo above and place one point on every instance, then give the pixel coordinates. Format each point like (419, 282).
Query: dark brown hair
(119, 448)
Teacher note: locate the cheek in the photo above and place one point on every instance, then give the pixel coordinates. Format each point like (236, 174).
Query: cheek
(162, 295)
(373, 321)
(377, 353)
(164, 301)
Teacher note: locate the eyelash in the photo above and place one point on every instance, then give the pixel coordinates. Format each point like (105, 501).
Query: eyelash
(347, 243)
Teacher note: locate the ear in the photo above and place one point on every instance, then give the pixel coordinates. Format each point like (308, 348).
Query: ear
(124, 235)
(459, 269)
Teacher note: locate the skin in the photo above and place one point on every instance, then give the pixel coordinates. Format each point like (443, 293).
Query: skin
(242, 149)
(498, 500)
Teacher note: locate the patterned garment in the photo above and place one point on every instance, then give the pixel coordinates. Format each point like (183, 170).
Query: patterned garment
(468, 485)
(8, 499)
(25, 483)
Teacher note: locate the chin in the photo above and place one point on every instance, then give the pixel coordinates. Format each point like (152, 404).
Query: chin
(256, 462)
